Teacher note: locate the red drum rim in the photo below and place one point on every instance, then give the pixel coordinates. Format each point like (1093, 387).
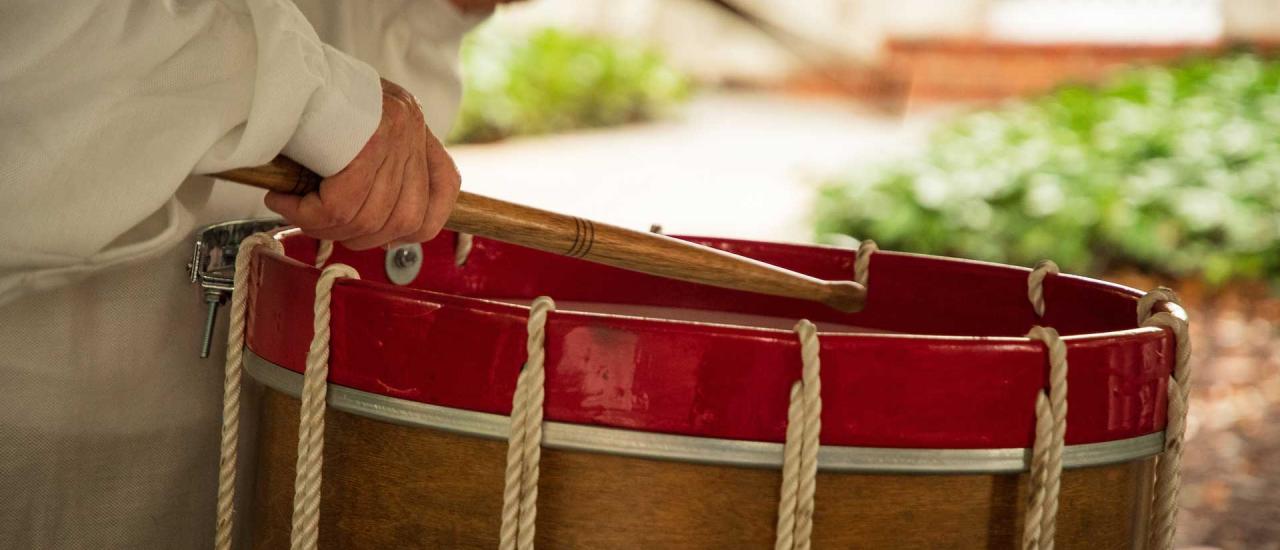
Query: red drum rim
(963, 378)
(702, 450)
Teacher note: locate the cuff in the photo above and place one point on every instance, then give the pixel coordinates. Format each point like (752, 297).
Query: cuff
(340, 116)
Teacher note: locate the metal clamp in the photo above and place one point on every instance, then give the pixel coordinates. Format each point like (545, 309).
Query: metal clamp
(213, 265)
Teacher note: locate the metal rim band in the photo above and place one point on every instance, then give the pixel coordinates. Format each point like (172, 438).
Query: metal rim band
(705, 450)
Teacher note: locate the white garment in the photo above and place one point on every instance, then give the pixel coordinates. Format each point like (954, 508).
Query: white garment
(108, 106)
(109, 420)
(413, 43)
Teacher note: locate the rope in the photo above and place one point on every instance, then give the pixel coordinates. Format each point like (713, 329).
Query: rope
(1169, 466)
(229, 445)
(306, 485)
(862, 264)
(800, 452)
(1149, 300)
(1040, 526)
(1035, 284)
(1032, 526)
(323, 252)
(462, 248)
(785, 539)
(524, 441)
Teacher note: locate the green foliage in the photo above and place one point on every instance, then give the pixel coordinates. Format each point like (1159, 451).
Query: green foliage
(553, 81)
(1174, 170)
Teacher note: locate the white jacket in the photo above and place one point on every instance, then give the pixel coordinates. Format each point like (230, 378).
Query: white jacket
(108, 419)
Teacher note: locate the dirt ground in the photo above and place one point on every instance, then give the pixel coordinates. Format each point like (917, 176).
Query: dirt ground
(1231, 470)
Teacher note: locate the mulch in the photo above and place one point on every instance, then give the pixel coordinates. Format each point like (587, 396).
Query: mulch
(1231, 468)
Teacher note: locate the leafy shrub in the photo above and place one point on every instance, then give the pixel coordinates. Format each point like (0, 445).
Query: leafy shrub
(1173, 170)
(552, 81)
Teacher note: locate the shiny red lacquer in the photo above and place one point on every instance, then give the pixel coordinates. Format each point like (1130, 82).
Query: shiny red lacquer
(957, 374)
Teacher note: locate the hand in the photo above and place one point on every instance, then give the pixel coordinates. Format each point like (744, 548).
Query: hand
(400, 188)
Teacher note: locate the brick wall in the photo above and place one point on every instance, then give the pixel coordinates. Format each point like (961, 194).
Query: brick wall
(975, 70)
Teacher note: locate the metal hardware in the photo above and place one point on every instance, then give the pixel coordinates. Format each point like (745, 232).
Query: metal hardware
(403, 263)
(405, 257)
(213, 264)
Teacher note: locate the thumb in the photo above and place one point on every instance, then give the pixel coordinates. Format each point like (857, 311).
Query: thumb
(283, 203)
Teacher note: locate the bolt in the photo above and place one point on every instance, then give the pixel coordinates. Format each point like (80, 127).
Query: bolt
(212, 299)
(405, 257)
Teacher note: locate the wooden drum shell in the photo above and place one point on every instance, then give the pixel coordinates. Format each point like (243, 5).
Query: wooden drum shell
(394, 486)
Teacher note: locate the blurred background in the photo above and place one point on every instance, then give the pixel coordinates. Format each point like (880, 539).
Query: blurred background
(1133, 140)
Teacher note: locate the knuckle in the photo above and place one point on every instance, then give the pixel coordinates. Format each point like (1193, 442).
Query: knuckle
(454, 178)
(370, 227)
(401, 102)
(363, 225)
(357, 245)
(427, 236)
(448, 178)
(402, 225)
(427, 233)
(342, 214)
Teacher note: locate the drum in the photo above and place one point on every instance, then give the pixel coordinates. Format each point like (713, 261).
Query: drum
(641, 412)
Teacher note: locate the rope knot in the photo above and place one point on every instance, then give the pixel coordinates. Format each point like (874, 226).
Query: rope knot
(462, 248)
(862, 263)
(324, 249)
(1035, 284)
(1153, 297)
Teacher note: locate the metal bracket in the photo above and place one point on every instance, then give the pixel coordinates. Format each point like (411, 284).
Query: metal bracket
(213, 265)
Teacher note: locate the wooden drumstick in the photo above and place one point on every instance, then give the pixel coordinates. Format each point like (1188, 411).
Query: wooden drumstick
(593, 241)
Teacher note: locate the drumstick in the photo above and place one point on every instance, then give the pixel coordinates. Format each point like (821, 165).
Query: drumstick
(593, 241)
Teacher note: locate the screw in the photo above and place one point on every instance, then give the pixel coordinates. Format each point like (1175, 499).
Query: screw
(212, 299)
(405, 257)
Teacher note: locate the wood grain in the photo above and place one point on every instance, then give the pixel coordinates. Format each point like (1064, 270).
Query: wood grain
(596, 242)
(391, 486)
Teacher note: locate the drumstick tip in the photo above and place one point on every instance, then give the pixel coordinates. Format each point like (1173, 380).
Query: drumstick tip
(846, 296)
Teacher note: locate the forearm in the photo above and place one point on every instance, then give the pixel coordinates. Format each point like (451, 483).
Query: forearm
(108, 107)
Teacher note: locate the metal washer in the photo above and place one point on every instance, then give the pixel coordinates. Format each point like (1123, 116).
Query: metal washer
(403, 263)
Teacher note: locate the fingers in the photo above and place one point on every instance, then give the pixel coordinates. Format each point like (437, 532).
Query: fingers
(341, 195)
(407, 214)
(373, 213)
(417, 172)
(445, 186)
(393, 215)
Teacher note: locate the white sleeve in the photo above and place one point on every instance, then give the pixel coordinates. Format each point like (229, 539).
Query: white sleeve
(413, 43)
(106, 108)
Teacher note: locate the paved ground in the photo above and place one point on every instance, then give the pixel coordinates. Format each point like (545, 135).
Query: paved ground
(739, 165)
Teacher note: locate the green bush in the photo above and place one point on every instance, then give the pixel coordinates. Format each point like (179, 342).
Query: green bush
(1172, 170)
(552, 81)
